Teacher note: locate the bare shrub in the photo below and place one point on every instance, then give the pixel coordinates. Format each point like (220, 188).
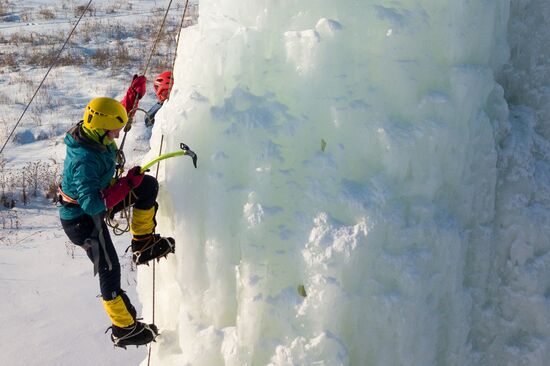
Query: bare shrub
(78, 10)
(9, 219)
(33, 57)
(4, 7)
(5, 99)
(20, 78)
(32, 172)
(3, 178)
(26, 15)
(52, 178)
(87, 31)
(4, 131)
(143, 30)
(35, 179)
(47, 13)
(71, 58)
(35, 116)
(113, 8)
(100, 58)
(121, 56)
(20, 38)
(46, 57)
(7, 190)
(31, 38)
(22, 184)
(9, 60)
(67, 4)
(44, 101)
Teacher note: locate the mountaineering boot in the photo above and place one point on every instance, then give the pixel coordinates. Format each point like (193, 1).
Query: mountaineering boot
(137, 334)
(147, 246)
(151, 246)
(143, 221)
(126, 330)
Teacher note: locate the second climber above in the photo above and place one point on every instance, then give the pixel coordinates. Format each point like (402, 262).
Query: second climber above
(162, 85)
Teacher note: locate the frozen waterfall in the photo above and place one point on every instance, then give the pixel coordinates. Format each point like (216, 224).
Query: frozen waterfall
(365, 151)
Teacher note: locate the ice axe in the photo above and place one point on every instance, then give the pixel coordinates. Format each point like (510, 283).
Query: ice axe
(185, 150)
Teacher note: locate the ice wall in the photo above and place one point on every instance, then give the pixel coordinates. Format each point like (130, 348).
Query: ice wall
(346, 146)
(511, 322)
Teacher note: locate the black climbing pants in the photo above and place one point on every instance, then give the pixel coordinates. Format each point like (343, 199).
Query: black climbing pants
(82, 228)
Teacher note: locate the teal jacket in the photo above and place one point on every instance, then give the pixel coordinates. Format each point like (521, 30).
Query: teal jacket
(89, 168)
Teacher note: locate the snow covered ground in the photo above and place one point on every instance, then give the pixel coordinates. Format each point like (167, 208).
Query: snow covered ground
(50, 310)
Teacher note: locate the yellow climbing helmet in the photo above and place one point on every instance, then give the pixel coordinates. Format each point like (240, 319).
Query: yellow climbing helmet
(105, 113)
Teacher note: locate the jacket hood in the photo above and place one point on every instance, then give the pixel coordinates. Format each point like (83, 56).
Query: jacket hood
(80, 136)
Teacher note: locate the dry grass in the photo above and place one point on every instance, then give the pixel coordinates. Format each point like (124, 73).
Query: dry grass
(34, 180)
(5, 7)
(47, 13)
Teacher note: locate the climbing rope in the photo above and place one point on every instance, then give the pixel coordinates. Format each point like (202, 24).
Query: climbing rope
(125, 211)
(157, 172)
(45, 76)
(120, 153)
(132, 111)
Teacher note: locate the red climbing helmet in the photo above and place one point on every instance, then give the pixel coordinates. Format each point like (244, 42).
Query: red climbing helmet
(163, 83)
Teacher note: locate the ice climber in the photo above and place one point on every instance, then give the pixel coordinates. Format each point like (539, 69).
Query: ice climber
(162, 85)
(88, 194)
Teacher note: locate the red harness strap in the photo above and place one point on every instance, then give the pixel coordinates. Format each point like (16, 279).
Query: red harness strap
(65, 197)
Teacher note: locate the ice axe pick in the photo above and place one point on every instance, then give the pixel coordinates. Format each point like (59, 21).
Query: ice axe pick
(185, 150)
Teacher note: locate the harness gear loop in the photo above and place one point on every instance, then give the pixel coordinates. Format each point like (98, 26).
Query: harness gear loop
(125, 213)
(120, 161)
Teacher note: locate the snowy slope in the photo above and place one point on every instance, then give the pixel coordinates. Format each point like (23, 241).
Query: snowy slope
(50, 310)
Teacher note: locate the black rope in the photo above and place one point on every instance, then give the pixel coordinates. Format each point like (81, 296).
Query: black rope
(130, 120)
(154, 266)
(158, 37)
(178, 39)
(45, 76)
